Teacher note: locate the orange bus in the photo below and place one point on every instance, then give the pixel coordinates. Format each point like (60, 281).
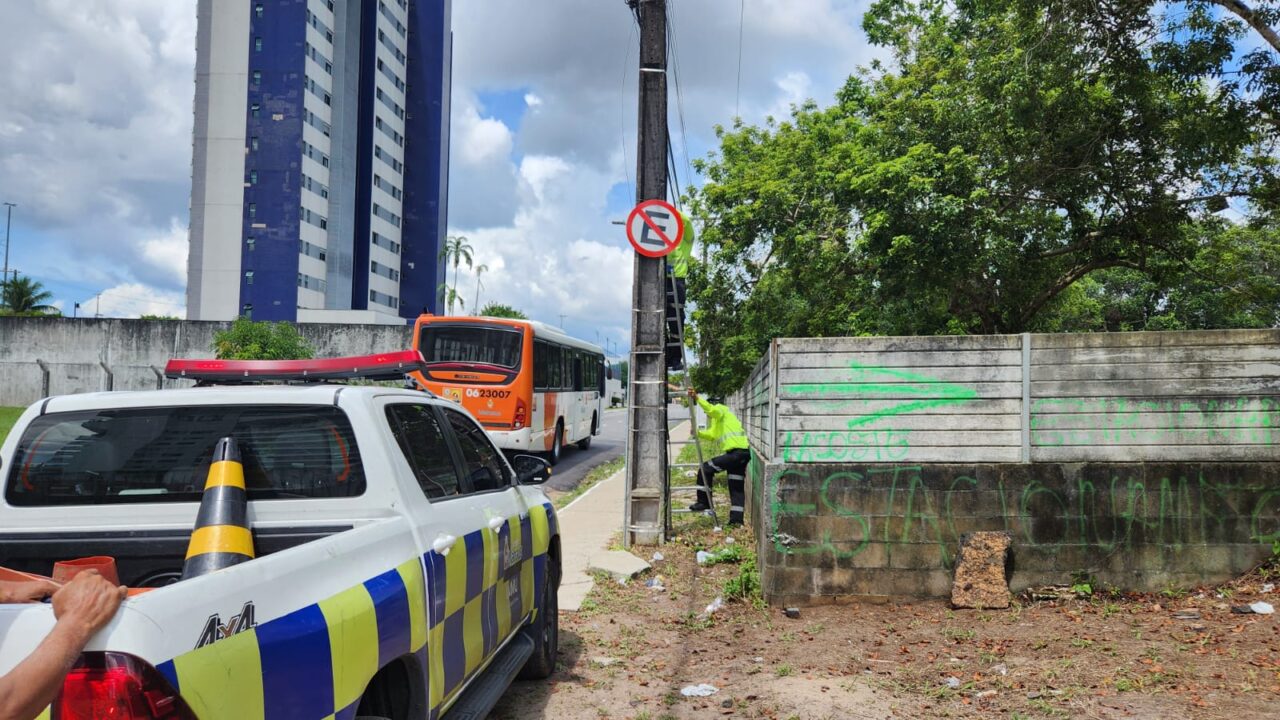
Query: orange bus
(532, 387)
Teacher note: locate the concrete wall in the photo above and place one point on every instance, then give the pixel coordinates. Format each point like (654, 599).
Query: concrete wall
(1144, 459)
(76, 350)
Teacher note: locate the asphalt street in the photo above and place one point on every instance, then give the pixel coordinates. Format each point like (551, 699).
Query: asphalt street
(609, 444)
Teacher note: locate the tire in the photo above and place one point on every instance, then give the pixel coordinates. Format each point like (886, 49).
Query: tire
(545, 631)
(557, 445)
(585, 442)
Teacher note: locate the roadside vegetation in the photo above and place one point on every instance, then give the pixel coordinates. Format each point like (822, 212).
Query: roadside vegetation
(1013, 166)
(8, 416)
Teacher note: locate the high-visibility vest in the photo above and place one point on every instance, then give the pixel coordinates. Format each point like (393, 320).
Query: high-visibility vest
(679, 257)
(724, 426)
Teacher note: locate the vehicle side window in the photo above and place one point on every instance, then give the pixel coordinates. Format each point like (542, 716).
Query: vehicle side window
(481, 460)
(577, 371)
(423, 443)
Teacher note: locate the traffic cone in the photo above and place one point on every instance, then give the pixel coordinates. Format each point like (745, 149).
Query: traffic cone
(221, 537)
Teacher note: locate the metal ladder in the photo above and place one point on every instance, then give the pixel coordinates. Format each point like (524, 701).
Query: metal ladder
(673, 452)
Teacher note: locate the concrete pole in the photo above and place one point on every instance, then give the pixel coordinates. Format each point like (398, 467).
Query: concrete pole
(8, 223)
(646, 401)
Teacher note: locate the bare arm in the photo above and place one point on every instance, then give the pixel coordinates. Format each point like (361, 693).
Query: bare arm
(82, 607)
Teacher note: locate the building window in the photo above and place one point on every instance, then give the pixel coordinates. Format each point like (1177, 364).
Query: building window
(255, 110)
(257, 77)
(248, 277)
(253, 211)
(386, 244)
(253, 177)
(257, 44)
(257, 9)
(247, 311)
(250, 243)
(253, 143)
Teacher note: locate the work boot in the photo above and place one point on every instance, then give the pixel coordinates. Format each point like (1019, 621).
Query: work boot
(697, 507)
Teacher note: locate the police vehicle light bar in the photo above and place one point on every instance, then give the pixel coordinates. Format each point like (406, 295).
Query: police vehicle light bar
(383, 366)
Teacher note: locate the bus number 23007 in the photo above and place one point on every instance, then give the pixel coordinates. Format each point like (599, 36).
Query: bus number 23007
(476, 393)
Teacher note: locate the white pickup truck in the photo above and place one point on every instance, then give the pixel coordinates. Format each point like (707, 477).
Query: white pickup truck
(403, 569)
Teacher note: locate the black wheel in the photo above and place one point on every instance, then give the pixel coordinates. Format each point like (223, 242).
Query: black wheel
(557, 445)
(585, 442)
(545, 631)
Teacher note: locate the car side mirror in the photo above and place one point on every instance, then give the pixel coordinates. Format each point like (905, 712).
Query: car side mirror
(608, 372)
(531, 470)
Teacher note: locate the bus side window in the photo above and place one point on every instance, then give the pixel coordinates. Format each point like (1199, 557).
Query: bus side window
(577, 371)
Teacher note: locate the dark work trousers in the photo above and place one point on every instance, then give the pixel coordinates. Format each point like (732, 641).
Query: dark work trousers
(675, 317)
(734, 464)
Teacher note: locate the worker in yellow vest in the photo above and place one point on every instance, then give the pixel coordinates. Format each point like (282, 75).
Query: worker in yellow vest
(723, 426)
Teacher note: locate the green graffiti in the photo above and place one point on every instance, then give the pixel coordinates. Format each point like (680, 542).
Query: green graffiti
(840, 446)
(861, 383)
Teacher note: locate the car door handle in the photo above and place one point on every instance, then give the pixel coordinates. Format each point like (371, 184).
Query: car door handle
(443, 543)
(495, 524)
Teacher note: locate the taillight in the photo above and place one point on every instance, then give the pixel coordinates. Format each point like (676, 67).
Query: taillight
(522, 415)
(119, 687)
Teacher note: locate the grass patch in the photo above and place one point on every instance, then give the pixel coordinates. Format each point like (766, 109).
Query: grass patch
(598, 473)
(8, 416)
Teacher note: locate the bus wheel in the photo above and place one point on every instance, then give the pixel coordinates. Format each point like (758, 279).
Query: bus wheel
(585, 442)
(557, 445)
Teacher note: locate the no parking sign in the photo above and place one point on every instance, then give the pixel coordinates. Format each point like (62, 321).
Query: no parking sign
(655, 228)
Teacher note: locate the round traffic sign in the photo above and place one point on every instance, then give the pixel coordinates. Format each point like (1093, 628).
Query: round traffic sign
(655, 228)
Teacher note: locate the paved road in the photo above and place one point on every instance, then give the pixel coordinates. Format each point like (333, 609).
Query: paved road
(609, 444)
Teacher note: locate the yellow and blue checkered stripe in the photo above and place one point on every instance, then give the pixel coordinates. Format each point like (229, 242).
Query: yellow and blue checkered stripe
(476, 604)
(451, 611)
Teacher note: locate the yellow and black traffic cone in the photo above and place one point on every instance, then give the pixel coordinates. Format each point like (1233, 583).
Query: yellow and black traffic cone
(221, 537)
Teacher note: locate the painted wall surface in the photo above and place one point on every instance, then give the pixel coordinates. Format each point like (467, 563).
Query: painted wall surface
(1141, 458)
(133, 351)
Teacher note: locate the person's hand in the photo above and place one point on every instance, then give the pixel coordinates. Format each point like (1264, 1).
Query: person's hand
(27, 591)
(693, 394)
(88, 602)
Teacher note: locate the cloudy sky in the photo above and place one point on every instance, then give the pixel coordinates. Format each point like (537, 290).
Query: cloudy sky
(95, 137)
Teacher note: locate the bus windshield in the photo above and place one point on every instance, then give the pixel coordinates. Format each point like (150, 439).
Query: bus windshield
(471, 345)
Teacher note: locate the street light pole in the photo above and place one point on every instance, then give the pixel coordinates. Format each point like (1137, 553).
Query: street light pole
(8, 223)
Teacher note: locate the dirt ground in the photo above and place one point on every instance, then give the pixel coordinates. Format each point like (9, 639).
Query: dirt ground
(632, 649)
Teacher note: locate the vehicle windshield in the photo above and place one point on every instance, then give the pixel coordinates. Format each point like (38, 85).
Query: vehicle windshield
(147, 455)
(471, 345)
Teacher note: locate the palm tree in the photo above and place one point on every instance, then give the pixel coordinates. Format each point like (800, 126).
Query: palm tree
(24, 296)
(456, 249)
(480, 270)
(450, 296)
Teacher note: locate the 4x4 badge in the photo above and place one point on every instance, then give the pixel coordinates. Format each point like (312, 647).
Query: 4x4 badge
(214, 630)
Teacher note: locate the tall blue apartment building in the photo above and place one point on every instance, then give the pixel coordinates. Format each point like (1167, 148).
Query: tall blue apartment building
(320, 159)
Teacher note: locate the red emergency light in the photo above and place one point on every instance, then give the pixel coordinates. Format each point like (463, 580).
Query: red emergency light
(383, 366)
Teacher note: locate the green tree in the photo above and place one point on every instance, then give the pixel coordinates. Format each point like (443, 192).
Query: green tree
(456, 250)
(159, 317)
(26, 297)
(502, 311)
(1020, 166)
(249, 340)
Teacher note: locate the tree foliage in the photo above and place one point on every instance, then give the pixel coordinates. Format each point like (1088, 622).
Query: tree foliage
(502, 311)
(249, 340)
(22, 296)
(1019, 166)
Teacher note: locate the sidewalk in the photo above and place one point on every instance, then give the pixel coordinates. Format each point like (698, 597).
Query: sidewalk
(588, 526)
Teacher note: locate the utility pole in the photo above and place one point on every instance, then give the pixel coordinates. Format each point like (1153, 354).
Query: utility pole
(646, 398)
(8, 223)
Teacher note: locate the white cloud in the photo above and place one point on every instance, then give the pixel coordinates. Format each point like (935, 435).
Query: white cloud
(95, 137)
(134, 300)
(532, 100)
(167, 253)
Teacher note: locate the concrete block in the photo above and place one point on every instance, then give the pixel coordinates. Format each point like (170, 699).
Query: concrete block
(868, 555)
(916, 556)
(617, 563)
